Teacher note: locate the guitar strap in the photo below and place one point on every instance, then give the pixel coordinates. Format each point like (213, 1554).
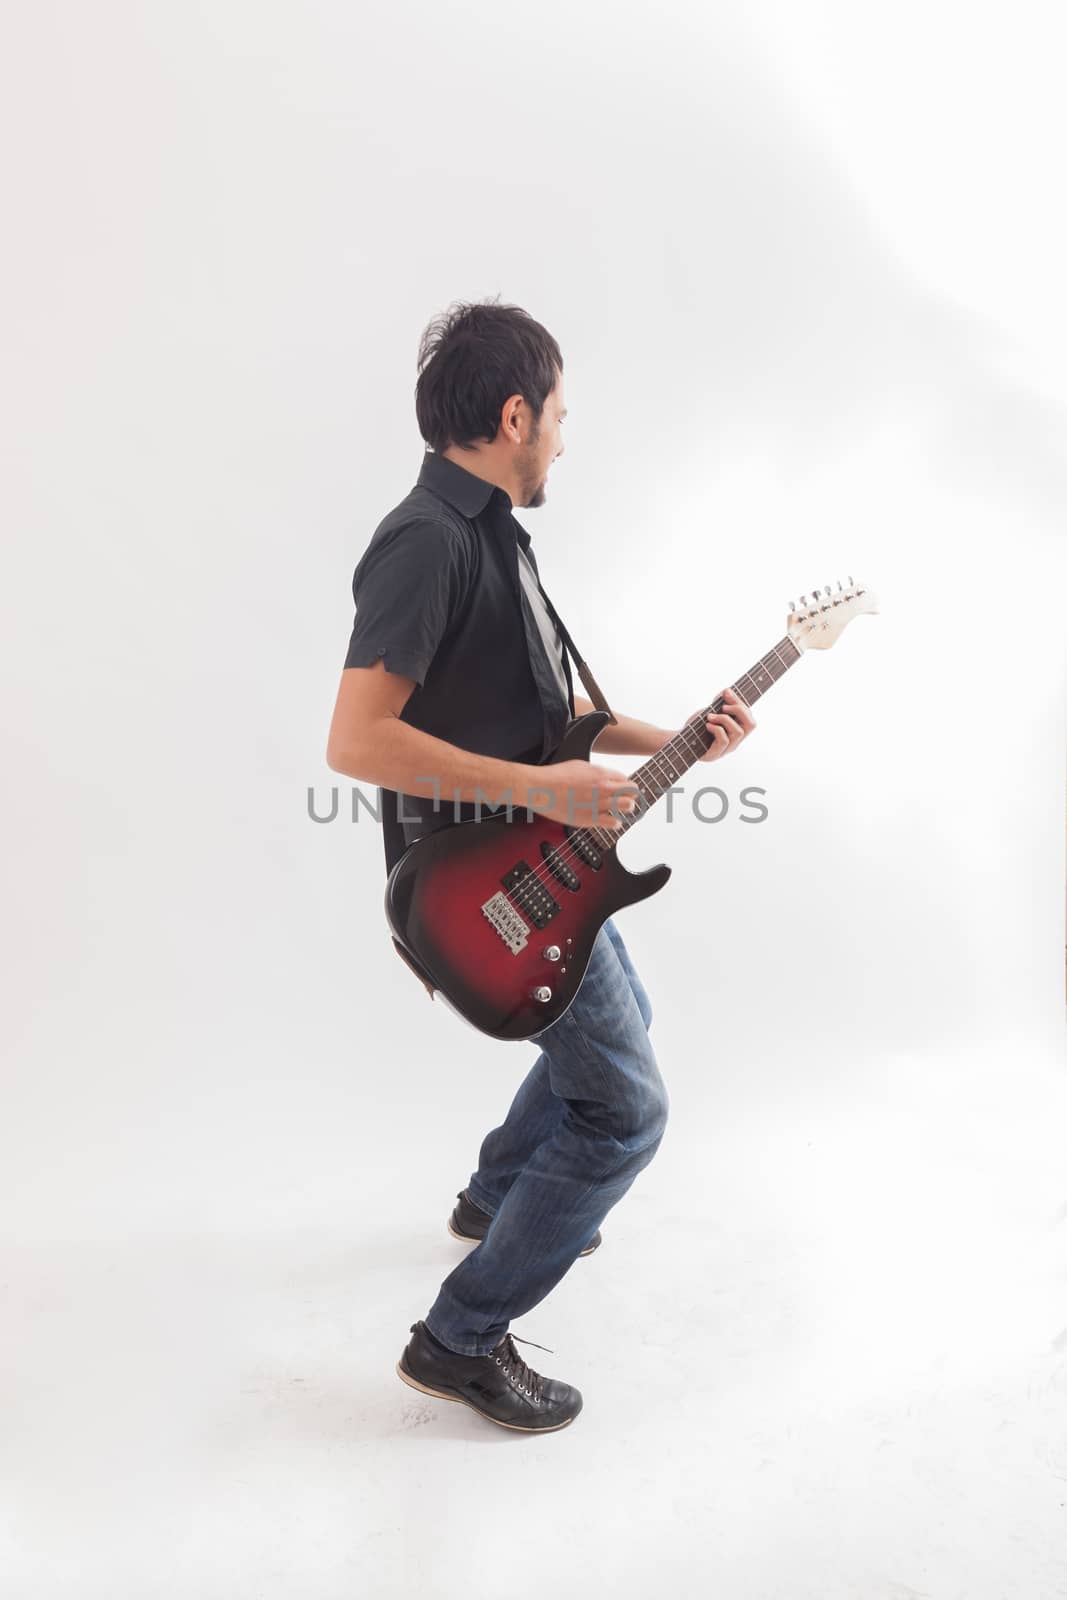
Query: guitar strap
(589, 683)
(393, 829)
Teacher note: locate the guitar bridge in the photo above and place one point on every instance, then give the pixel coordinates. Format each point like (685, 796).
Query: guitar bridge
(501, 914)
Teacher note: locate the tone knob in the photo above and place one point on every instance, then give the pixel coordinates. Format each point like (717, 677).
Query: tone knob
(542, 993)
(552, 952)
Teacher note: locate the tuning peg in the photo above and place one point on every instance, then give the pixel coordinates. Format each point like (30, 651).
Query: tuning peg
(839, 583)
(850, 580)
(792, 608)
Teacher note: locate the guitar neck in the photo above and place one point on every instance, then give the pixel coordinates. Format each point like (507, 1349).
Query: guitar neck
(692, 741)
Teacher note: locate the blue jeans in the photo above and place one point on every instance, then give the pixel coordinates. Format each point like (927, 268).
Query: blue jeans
(589, 1115)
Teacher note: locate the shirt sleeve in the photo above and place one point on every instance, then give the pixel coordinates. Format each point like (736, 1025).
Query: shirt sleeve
(408, 587)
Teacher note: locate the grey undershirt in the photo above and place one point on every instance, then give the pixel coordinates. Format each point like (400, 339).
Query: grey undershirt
(545, 626)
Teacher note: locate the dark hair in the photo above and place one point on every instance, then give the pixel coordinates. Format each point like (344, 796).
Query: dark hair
(471, 358)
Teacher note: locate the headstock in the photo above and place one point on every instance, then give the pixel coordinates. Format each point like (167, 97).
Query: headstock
(820, 618)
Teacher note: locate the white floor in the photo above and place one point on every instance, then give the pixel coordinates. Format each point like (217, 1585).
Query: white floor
(823, 1353)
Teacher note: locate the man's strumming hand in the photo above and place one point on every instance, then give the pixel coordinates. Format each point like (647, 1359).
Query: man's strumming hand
(580, 794)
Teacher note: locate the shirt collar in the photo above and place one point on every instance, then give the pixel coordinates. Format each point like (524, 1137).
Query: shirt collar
(464, 490)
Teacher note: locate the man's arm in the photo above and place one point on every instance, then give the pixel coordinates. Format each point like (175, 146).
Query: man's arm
(631, 737)
(367, 741)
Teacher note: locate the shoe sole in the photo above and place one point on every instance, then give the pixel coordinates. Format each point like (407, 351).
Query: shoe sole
(474, 1238)
(439, 1394)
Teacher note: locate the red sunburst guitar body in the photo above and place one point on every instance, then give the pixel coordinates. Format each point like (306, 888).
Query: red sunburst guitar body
(437, 890)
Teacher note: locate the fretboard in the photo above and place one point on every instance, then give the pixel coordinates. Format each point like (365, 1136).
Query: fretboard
(692, 741)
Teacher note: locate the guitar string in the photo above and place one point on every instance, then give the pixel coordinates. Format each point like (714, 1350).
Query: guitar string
(645, 798)
(667, 758)
(568, 851)
(694, 727)
(541, 876)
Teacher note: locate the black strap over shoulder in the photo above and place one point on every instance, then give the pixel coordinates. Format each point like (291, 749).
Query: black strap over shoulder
(593, 689)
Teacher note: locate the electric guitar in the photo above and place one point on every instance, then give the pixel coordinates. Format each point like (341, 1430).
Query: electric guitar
(499, 914)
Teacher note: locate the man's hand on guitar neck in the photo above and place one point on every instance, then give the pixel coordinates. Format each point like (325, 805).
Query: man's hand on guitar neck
(631, 736)
(729, 726)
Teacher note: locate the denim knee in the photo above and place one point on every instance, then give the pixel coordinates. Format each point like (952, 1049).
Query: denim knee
(649, 1115)
(624, 1128)
(656, 1115)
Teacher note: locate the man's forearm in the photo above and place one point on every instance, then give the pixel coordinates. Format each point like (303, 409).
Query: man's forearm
(398, 756)
(629, 736)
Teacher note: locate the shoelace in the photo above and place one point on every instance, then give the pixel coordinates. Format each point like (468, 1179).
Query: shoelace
(525, 1378)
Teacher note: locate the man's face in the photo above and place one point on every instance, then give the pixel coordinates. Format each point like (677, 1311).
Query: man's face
(543, 446)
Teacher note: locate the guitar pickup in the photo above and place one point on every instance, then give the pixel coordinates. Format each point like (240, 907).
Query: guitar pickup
(583, 846)
(529, 895)
(559, 868)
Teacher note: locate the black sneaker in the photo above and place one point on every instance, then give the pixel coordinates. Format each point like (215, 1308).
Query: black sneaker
(499, 1386)
(469, 1221)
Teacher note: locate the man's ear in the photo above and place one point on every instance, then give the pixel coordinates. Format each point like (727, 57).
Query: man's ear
(510, 417)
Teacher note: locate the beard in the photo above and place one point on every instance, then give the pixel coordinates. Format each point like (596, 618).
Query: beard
(533, 482)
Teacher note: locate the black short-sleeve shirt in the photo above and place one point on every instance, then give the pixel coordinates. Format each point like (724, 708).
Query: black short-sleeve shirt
(439, 599)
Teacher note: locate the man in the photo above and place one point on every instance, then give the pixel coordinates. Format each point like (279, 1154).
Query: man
(457, 683)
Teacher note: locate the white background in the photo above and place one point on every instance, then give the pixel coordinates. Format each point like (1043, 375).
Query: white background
(807, 273)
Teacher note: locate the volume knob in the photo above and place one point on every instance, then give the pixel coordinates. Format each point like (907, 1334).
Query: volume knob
(542, 993)
(551, 952)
